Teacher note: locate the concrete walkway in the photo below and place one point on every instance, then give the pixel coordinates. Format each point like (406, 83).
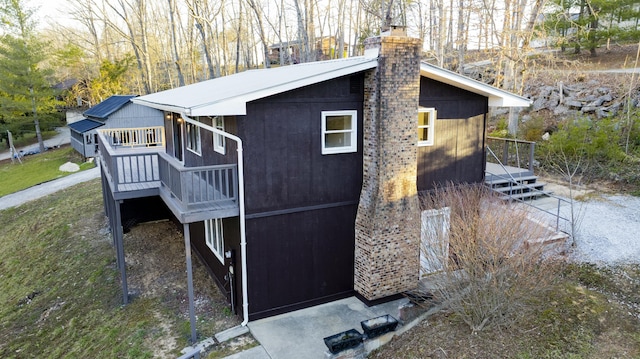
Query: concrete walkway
(63, 137)
(18, 198)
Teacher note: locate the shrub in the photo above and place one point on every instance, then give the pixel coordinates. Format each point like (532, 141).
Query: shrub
(484, 262)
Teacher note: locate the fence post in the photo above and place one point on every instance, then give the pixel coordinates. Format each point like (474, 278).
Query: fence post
(505, 152)
(532, 147)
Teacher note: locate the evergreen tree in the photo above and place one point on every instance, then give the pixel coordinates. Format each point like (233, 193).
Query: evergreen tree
(25, 93)
(591, 23)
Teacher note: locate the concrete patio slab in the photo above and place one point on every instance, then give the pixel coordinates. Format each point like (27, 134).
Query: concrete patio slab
(300, 334)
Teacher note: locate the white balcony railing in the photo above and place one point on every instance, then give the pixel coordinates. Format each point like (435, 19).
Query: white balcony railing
(135, 137)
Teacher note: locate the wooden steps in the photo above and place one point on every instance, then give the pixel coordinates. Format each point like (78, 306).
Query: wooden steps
(521, 187)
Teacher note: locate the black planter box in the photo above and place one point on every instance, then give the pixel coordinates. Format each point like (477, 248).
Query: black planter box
(377, 326)
(344, 340)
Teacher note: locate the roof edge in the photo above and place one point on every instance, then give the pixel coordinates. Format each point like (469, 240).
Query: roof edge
(497, 97)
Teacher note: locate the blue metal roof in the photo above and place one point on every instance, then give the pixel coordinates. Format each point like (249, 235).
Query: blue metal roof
(107, 107)
(85, 125)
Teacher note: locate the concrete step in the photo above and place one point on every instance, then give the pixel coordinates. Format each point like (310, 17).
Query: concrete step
(538, 186)
(525, 196)
(494, 181)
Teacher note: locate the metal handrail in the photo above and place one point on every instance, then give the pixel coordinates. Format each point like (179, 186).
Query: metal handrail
(513, 181)
(505, 150)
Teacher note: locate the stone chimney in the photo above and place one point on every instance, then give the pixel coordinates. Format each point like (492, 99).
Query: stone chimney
(387, 229)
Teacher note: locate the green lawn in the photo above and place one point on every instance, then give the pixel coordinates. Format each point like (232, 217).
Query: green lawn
(36, 169)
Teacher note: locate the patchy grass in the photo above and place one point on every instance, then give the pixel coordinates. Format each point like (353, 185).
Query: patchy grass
(60, 293)
(36, 169)
(60, 296)
(591, 313)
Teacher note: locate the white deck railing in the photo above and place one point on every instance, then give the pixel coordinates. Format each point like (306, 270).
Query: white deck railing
(135, 137)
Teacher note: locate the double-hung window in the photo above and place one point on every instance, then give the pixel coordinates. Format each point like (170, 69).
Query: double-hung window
(219, 144)
(339, 131)
(426, 126)
(214, 237)
(193, 138)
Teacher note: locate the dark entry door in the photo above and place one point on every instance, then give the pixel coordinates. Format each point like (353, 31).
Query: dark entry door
(177, 139)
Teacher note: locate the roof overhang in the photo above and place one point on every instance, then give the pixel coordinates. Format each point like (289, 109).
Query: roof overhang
(497, 97)
(84, 125)
(229, 95)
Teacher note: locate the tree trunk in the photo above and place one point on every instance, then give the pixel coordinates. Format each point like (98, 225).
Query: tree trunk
(174, 42)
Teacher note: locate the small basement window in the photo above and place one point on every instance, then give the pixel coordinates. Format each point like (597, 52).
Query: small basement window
(214, 237)
(339, 131)
(426, 126)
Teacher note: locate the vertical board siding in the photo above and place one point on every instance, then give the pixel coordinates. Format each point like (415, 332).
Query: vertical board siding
(457, 154)
(302, 258)
(133, 115)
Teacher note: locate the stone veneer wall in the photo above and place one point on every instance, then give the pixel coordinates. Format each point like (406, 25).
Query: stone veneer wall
(388, 221)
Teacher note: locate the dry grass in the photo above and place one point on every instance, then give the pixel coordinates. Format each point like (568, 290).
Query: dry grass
(493, 264)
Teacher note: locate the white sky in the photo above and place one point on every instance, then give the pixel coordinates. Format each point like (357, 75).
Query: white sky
(50, 11)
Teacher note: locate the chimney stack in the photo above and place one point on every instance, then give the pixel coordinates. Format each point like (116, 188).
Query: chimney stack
(388, 221)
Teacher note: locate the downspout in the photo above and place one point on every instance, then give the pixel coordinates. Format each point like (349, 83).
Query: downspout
(243, 237)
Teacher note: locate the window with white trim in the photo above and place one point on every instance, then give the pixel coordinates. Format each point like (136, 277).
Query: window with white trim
(219, 143)
(426, 126)
(193, 138)
(214, 237)
(339, 131)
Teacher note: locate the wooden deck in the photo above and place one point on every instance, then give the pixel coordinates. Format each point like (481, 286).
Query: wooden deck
(191, 193)
(498, 171)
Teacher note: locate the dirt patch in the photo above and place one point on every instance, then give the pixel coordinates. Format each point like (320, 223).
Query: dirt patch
(156, 270)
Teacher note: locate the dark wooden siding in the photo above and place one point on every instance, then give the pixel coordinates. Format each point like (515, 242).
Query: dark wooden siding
(457, 154)
(208, 155)
(300, 259)
(300, 204)
(451, 102)
(220, 271)
(284, 165)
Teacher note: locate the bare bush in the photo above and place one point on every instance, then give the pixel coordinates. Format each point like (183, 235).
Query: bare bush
(482, 258)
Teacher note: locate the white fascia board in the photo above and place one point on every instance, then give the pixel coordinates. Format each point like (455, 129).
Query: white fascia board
(496, 96)
(237, 105)
(159, 106)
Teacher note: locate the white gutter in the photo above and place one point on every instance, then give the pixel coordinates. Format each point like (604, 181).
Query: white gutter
(243, 237)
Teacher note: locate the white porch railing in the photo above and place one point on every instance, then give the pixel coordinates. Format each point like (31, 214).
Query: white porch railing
(135, 137)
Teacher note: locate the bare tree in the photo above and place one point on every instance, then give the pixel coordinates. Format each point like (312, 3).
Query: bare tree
(257, 10)
(174, 41)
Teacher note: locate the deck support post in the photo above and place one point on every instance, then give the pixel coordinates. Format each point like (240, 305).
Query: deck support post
(119, 242)
(192, 314)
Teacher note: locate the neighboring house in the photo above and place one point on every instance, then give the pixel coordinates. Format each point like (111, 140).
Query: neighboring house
(299, 185)
(115, 112)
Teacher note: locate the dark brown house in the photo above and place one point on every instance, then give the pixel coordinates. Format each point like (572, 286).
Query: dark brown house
(298, 185)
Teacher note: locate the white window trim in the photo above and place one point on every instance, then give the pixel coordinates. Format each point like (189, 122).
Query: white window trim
(189, 127)
(354, 132)
(214, 237)
(219, 142)
(432, 124)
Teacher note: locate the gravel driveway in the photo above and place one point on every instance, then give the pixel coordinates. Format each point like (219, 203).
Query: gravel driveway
(609, 230)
